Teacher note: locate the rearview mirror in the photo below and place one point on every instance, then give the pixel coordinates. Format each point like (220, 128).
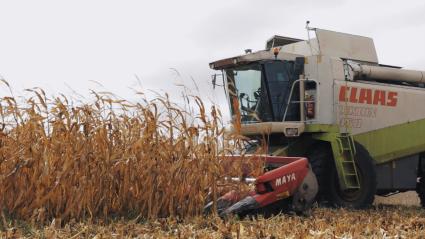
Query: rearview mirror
(214, 80)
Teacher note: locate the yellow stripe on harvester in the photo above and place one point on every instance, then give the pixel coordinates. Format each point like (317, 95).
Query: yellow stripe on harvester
(283, 195)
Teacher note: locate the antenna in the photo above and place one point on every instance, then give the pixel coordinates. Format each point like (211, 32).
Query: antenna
(308, 28)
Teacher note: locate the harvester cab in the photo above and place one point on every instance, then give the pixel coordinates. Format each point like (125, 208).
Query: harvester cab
(265, 89)
(328, 99)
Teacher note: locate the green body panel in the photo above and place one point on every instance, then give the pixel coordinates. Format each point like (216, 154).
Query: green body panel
(394, 142)
(342, 147)
(295, 148)
(384, 145)
(321, 128)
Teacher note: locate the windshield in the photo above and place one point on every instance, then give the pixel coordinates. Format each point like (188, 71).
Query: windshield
(280, 77)
(246, 87)
(252, 87)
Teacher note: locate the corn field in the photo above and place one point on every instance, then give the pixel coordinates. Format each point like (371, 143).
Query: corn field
(108, 158)
(115, 168)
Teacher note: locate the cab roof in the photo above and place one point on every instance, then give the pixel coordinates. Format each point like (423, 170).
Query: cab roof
(252, 57)
(329, 43)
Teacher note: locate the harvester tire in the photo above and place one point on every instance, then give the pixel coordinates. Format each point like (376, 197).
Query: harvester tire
(362, 197)
(320, 158)
(421, 190)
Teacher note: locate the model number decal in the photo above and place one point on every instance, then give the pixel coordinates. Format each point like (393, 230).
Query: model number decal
(367, 96)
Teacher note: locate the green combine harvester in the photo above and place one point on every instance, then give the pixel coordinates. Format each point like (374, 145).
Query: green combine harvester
(360, 124)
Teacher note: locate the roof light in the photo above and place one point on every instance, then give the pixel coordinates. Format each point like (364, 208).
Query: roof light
(276, 51)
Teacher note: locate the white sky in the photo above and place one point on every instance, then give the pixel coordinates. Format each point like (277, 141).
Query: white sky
(54, 44)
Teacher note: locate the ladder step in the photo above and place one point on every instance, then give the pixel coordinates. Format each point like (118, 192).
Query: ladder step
(342, 135)
(347, 161)
(353, 187)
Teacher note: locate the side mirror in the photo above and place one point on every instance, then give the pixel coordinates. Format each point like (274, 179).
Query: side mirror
(214, 80)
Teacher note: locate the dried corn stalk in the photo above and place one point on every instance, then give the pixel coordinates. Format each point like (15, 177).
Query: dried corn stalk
(108, 158)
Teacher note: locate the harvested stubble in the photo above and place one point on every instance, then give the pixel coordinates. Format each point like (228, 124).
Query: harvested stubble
(107, 158)
(379, 222)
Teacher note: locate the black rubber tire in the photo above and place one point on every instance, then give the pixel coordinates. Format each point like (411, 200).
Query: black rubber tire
(421, 190)
(320, 158)
(363, 197)
(420, 185)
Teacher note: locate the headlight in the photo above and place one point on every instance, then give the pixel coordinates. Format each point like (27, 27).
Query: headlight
(291, 132)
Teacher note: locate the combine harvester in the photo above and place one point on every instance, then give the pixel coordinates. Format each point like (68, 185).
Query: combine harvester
(360, 124)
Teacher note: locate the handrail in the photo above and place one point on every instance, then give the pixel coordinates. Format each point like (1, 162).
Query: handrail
(300, 101)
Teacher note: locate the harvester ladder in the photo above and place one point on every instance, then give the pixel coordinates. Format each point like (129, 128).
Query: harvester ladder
(346, 161)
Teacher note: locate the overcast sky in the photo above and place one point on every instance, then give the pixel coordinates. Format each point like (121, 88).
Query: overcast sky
(57, 44)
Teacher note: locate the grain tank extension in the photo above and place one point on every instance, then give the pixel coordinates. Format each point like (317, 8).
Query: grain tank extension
(360, 124)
